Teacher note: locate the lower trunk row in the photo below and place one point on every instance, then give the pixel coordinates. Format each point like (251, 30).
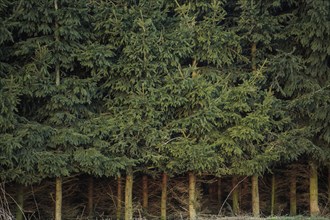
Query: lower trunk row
(192, 212)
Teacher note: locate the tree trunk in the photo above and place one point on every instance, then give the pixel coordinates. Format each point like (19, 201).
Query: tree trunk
(145, 192)
(163, 197)
(90, 207)
(235, 195)
(313, 190)
(129, 194)
(273, 196)
(58, 181)
(20, 202)
(328, 185)
(119, 198)
(255, 196)
(58, 198)
(293, 193)
(192, 196)
(57, 38)
(219, 191)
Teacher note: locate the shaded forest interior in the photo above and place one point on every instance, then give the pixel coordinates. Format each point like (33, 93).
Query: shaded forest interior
(86, 197)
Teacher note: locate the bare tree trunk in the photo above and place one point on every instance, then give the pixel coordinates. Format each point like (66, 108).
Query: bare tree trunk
(163, 197)
(57, 38)
(90, 207)
(58, 198)
(20, 202)
(235, 195)
(293, 193)
(313, 190)
(255, 196)
(119, 198)
(273, 196)
(129, 194)
(328, 185)
(145, 192)
(58, 181)
(219, 193)
(192, 196)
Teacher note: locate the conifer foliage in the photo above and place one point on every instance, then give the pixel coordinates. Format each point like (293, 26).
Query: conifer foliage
(178, 88)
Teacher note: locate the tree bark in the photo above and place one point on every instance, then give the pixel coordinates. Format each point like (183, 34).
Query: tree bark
(163, 197)
(293, 193)
(57, 38)
(58, 198)
(145, 192)
(219, 191)
(235, 195)
(129, 194)
(20, 202)
(58, 181)
(119, 198)
(90, 207)
(192, 196)
(273, 196)
(313, 190)
(328, 185)
(255, 196)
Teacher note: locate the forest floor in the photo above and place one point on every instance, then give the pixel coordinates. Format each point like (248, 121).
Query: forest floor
(208, 217)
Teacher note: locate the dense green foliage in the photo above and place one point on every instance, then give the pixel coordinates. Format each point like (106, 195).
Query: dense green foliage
(217, 87)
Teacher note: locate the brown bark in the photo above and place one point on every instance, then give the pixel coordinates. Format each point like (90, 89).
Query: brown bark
(145, 192)
(273, 196)
(192, 196)
(58, 198)
(128, 194)
(293, 193)
(328, 185)
(219, 191)
(255, 196)
(119, 198)
(20, 202)
(90, 207)
(313, 190)
(235, 195)
(163, 197)
(57, 38)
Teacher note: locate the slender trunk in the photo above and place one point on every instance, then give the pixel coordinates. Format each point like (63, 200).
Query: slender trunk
(58, 198)
(273, 196)
(255, 187)
(58, 181)
(293, 193)
(128, 194)
(313, 190)
(194, 66)
(163, 197)
(235, 195)
(255, 196)
(328, 185)
(20, 202)
(57, 38)
(192, 196)
(219, 191)
(90, 207)
(119, 198)
(145, 192)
